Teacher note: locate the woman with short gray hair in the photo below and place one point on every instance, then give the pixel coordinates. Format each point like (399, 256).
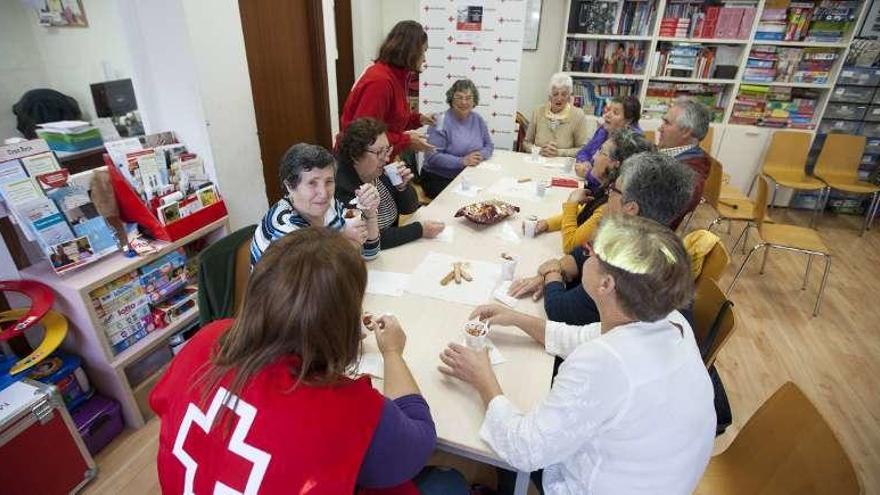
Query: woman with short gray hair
(460, 138)
(557, 128)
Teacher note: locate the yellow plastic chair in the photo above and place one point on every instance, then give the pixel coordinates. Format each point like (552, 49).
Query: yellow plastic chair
(785, 164)
(727, 209)
(838, 166)
(788, 237)
(785, 448)
(714, 264)
(707, 304)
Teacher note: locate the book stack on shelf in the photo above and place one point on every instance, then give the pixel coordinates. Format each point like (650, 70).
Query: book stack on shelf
(824, 21)
(778, 107)
(789, 64)
(606, 57)
(630, 18)
(661, 95)
(832, 20)
(691, 60)
(592, 96)
(728, 20)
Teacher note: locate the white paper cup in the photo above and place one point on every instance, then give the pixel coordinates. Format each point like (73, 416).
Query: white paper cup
(536, 153)
(529, 226)
(351, 216)
(540, 188)
(475, 333)
(465, 183)
(393, 174)
(508, 269)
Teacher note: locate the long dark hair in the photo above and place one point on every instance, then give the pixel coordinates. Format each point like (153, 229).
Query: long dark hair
(404, 45)
(303, 299)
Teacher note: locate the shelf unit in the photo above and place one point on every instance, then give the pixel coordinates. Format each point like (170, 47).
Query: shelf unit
(86, 336)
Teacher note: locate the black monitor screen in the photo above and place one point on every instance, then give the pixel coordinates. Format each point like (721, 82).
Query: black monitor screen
(114, 98)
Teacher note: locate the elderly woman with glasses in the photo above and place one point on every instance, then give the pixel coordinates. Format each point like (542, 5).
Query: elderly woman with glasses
(631, 409)
(363, 154)
(557, 127)
(460, 137)
(585, 206)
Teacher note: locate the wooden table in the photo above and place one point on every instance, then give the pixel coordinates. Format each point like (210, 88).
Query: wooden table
(430, 323)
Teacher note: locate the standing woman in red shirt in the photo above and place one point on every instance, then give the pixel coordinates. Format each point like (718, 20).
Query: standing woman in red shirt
(381, 91)
(269, 403)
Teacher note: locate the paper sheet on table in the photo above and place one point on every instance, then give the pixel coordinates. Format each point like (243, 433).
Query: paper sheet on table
(508, 233)
(386, 283)
(447, 235)
(372, 364)
(425, 280)
(470, 193)
(559, 162)
(508, 186)
(501, 295)
(492, 166)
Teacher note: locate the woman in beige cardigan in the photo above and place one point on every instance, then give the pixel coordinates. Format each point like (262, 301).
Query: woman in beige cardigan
(557, 127)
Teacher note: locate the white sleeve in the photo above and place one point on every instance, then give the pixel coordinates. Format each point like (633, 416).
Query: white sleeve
(561, 339)
(589, 392)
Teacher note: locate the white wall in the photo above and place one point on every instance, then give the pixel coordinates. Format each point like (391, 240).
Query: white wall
(192, 77)
(21, 66)
(367, 33)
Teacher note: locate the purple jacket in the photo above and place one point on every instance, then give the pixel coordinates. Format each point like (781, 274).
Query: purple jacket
(455, 139)
(589, 150)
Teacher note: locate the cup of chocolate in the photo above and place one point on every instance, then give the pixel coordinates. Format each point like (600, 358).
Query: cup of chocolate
(475, 332)
(351, 215)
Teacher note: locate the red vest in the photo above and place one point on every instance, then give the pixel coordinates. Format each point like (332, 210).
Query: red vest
(381, 93)
(309, 440)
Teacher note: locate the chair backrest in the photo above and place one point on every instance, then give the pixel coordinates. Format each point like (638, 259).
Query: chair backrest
(840, 157)
(522, 124)
(706, 142)
(712, 186)
(707, 303)
(714, 263)
(786, 447)
(760, 210)
(787, 152)
(651, 136)
(242, 273)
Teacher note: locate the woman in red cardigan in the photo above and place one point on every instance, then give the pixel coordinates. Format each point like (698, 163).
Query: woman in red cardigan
(381, 90)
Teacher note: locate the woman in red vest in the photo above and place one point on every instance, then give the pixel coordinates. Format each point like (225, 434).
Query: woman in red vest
(266, 403)
(381, 91)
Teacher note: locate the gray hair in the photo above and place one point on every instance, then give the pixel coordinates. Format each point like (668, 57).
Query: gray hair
(627, 143)
(302, 157)
(694, 116)
(461, 86)
(560, 80)
(661, 185)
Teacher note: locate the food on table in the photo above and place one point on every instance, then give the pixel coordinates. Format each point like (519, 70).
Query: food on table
(351, 213)
(458, 273)
(524, 179)
(487, 212)
(475, 328)
(506, 256)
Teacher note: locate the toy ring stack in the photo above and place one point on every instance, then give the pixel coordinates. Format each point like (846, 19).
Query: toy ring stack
(21, 319)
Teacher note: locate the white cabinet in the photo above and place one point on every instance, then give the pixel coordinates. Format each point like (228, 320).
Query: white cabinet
(741, 153)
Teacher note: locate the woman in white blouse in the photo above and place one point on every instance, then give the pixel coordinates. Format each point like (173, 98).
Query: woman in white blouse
(631, 410)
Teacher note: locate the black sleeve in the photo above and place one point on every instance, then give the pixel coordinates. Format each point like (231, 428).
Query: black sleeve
(395, 236)
(572, 306)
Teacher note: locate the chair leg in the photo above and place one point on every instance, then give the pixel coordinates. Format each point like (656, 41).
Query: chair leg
(822, 287)
(764, 262)
(773, 198)
(740, 238)
(752, 185)
(869, 216)
(818, 208)
(746, 239)
(874, 212)
(714, 222)
(807, 273)
(741, 268)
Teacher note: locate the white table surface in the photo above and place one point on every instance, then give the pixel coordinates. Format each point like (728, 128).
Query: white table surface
(430, 323)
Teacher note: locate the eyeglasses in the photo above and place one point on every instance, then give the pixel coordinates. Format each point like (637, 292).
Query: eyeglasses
(463, 98)
(381, 151)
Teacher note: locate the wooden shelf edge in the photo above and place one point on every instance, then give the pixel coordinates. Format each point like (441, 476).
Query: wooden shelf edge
(146, 344)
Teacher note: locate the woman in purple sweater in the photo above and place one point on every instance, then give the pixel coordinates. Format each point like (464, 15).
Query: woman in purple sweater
(460, 137)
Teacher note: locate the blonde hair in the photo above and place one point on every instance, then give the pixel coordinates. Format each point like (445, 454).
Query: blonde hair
(560, 80)
(648, 262)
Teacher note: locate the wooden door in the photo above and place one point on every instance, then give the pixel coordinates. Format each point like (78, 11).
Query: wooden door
(344, 51)
(284, 42)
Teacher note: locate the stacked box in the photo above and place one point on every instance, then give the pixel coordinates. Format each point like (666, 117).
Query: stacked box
(123, 309)
(164, 276)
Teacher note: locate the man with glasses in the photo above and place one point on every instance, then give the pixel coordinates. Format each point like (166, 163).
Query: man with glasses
(651, 185)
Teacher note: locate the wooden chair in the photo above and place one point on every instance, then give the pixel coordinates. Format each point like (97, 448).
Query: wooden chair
(785, 164)
(706, 142)
(651, 136)
(838, 167)
(242, 273)
(788, 237)
(714, 264)
(708, 300)
(785, 448)
(727, 209)
(522, 124)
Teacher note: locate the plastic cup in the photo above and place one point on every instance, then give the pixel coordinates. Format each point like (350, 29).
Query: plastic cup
(536, 153)
(465, 183)
(351, 216)
(530, 225)
(393, 174)
(508, 268)
(475, 334)
(540, 188)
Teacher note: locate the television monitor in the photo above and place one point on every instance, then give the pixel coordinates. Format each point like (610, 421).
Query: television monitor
(114, 98)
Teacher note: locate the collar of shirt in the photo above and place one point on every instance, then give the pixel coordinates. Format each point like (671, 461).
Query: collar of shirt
(674, 152)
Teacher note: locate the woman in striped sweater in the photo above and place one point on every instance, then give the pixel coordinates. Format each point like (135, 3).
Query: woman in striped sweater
(308, 175)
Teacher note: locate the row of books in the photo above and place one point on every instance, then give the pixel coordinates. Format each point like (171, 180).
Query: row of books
(660, 96)
(606, 57)
(783, 64)
(631, 17)
(707, 21)
(593, 95)
(799, 21)
(779, 107)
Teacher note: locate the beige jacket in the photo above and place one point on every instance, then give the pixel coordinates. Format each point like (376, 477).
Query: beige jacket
(569, 136)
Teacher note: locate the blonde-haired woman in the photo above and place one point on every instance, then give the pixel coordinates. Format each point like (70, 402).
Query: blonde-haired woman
(557, 127)
(631, 410)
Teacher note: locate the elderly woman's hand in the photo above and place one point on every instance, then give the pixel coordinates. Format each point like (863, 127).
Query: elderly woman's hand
(581, 169)
(580, 196)
(550, 150)
(429, 119)
(472, 159)
(389, 335)
(368, 198)
(418, 141)
(473, 367)
(405, 174)
(355, 231)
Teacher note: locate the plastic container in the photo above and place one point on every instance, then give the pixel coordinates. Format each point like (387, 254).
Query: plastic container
(873, 114)
(839, 127)
(852, 94)
(846, 111)
(860, 76)
(872, 146)
(144, 368)
(99, 421)
(870, 130)
(65, 372)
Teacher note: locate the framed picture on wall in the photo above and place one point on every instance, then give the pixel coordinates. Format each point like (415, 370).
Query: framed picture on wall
(61, 13)
(533, 24)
